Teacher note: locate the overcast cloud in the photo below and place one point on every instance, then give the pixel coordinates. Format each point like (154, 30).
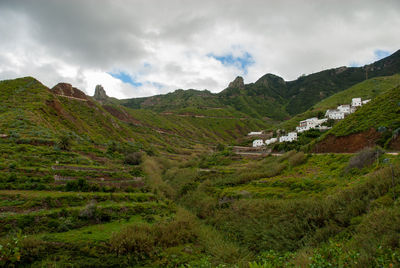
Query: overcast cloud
(142, 48)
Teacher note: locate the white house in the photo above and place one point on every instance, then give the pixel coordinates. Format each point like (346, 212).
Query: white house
(334, 114)
(345, 108)
(356, 102)
(309, 124)
(365, 101)
(270, 141)
(253, 133)
(291, 136)
(258, 143)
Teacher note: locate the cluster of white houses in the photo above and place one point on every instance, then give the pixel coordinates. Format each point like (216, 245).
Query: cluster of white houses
(314, 123)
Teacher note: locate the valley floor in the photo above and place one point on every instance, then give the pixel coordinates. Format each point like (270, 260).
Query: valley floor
(88, 207)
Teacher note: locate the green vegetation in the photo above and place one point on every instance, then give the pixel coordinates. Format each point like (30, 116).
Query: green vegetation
(84, 183)
(368, 89)
(383, 111)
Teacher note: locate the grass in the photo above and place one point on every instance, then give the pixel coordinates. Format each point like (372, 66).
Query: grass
(92, 233)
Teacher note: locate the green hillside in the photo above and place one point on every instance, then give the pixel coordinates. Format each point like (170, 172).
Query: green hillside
(31, 110)
(376, 122)
(367, 89)
(383, 111)
(270, 97)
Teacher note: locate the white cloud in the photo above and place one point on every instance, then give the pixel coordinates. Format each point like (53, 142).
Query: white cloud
(164, 45)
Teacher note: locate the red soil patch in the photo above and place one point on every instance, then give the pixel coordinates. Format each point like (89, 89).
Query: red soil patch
(395, 143)
(347, 144)
(56, 105)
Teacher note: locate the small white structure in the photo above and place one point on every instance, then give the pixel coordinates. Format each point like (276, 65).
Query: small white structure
(258, 143)
(356, 102)
(270, 141)
(365, 101)
(334, 114)
(253, 133)
(345, 108)
(310, 123)
(291, 136)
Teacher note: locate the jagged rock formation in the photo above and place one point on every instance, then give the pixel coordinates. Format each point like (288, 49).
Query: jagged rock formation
(67, 90)
(237, 83)
(100, 94)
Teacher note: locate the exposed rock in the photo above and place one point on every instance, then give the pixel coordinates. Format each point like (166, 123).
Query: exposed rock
(347, 144)
(67, 90)
(237, 83)
(100, 94)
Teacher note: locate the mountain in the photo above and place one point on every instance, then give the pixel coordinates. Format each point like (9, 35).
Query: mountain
(271, 96)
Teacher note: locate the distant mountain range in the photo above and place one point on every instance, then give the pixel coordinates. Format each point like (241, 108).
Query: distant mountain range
(270, 97)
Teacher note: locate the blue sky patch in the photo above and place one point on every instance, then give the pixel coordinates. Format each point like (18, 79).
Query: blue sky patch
(380, 54)
(126, 78)
(354, 64)
(241, 62)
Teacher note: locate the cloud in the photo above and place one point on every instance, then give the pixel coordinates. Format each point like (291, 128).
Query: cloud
(140, 48)
(240, 62)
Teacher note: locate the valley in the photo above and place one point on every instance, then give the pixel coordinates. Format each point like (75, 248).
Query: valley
(172, 180)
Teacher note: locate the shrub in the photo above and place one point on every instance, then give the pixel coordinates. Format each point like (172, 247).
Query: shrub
(297, 159)
(220, 147)
(137, 241)
(141, 241)
(364, 158)
(64, 143)
(90, 211)
(133, 158)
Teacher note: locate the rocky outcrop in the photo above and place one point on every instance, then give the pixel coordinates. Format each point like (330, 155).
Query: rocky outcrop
(100, 94)
(237, 83)
(67, 90)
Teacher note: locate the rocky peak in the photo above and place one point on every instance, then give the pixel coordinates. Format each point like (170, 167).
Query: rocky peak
(237, 83)
(67, 90)
(99, 93)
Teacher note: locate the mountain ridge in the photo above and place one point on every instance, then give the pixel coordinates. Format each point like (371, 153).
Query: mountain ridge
(271, 96)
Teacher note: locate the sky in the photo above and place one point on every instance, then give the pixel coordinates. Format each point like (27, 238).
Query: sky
(141, 48)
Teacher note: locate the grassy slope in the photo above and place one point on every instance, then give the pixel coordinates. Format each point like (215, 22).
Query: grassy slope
(293, 210)
(368, 89)
(383, 111)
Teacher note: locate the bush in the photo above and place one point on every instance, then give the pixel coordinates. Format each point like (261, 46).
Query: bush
(137, 241)
(297, 159)
(64, 143)
(364, 158)
(90, 211)
(133, 158)
(220, 147)
(141, 241)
